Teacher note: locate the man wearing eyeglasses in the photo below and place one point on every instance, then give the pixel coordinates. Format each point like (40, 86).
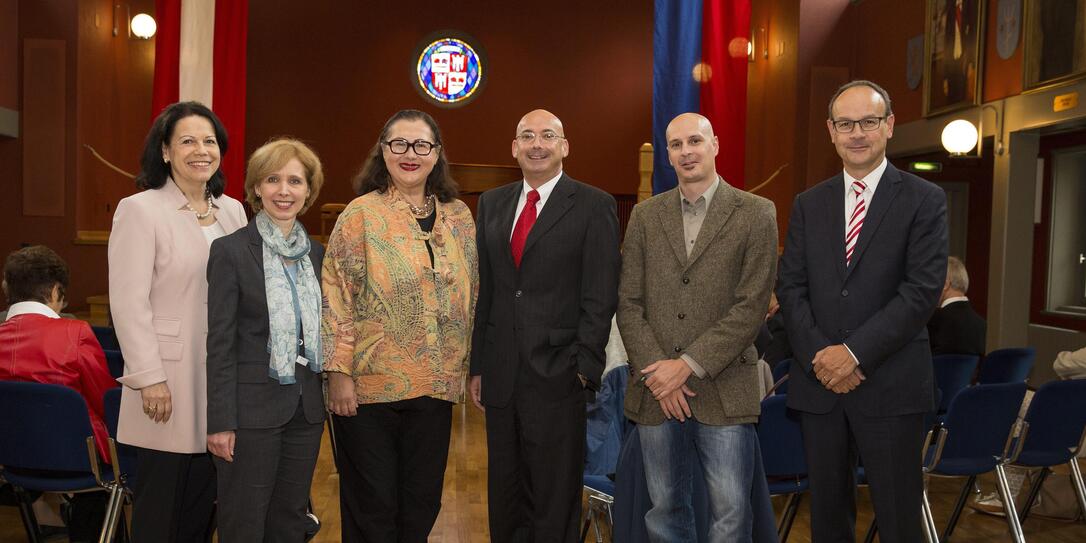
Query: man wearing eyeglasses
(548, 279)
(862, 270)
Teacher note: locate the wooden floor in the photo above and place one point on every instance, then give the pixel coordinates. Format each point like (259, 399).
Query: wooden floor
(463, 515)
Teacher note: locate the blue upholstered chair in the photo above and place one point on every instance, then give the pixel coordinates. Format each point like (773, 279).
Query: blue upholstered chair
(46, 444)
(781, 441)
(1056, 425)
(975, 439)
(107, 338)
(1006, 366)
(953, 372)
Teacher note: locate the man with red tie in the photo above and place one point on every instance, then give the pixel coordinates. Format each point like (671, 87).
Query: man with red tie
(862, 270)
(38, 346)
(548, 279)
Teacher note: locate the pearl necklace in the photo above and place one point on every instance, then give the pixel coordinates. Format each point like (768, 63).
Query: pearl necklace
(426, 209)
(201, 216)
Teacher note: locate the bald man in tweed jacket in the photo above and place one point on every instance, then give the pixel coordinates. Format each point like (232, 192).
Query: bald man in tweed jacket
(698, 265)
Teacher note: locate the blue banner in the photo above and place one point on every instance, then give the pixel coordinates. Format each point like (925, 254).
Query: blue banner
(676, 50)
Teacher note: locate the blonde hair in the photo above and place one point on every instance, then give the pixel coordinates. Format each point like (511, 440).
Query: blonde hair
(274, 155)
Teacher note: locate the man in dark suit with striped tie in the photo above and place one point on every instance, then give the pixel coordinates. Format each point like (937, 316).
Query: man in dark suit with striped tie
(862, 270)
(548, 286)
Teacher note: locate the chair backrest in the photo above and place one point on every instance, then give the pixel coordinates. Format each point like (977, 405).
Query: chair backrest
(43, 427)
(606, 425)
(779, 371)
(115, 362)
(781, 439)
(1056, 417)
(107, 338)
(953, 372)
(1006, 366)
(978, 423)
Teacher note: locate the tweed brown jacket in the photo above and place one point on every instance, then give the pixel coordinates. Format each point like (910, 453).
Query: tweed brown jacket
(709, 305)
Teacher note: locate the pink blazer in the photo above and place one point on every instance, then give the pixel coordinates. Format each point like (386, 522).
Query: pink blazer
(158, 299)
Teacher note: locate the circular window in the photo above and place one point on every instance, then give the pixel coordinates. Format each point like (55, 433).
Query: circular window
(449, 71)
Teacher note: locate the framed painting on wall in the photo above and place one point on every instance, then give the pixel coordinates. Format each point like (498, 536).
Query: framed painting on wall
(952, 69)
(1055, 42)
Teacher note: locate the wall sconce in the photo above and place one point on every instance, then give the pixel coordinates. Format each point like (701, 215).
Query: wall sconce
(765, 43)
(750, 48)
(960, 136)
(142, 25)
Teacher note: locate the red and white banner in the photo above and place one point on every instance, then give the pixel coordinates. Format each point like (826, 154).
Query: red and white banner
(200, 55)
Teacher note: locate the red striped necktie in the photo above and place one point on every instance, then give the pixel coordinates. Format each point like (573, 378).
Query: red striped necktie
(523, 226)
(856, 220)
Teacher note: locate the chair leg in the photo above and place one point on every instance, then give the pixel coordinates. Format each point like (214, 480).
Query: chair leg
(587, 523)
(930, 531)
(784, 514)
(114, 507)
(872, 531)
(790, 519)
(967, 489)
(1080, 488)
(1034, 491)
(1008, 505)
(26, 512)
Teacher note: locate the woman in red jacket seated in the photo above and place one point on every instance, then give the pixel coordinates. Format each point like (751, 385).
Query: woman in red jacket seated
(38, 346)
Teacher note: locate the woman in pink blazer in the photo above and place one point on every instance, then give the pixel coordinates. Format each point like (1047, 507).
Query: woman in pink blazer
(158, 251)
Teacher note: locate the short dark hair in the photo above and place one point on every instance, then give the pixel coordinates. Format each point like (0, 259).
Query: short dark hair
(374, 173)
(31, 273)
(153, 170)
(862, 83)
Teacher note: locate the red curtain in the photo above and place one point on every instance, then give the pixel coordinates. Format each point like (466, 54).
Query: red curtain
(725, 34)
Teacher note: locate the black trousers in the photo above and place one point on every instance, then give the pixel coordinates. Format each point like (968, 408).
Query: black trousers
(173, 497)
(263, 493)
(890, 449)
(391, 461)
(536, 454)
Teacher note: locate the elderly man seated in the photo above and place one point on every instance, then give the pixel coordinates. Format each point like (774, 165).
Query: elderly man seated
(38, 346)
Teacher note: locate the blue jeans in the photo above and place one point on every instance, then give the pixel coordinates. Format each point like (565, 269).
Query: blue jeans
(727, 458)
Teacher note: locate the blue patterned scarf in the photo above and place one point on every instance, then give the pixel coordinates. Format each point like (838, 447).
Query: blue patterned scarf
(289, 300)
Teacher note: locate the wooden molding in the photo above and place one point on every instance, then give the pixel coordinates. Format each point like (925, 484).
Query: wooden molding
(91, 237)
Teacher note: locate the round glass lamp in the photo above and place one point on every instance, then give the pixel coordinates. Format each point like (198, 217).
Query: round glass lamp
(143, 26)
(959, 137)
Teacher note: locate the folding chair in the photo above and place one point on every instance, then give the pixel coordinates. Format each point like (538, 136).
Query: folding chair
(782, 454)
(124, 468)
(605, 429)
(1055, 428)
(974, 439)
(46, 444)
(780, 376)
(1006, 366)
(953, 372)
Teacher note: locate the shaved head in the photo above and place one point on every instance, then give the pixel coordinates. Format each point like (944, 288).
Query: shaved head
(685, 119)
(538, 117)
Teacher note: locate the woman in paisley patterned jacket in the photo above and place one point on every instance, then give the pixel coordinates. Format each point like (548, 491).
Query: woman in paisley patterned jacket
(401, 280)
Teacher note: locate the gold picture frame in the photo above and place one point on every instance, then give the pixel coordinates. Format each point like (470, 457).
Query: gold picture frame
(1054, 52)
(953, 55)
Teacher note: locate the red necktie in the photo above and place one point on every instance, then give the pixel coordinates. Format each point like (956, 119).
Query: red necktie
(856, 221)
(524, 225)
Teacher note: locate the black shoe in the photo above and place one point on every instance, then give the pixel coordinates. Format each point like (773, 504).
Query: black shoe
(312, 527)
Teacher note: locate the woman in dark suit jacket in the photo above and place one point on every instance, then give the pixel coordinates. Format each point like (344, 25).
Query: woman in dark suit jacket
(265, 407)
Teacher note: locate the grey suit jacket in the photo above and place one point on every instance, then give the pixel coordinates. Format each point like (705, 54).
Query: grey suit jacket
(239, 392)
(709, 305)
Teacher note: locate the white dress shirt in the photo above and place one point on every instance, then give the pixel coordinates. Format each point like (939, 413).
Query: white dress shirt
(544, 191)
(871, 180)
(953, 299)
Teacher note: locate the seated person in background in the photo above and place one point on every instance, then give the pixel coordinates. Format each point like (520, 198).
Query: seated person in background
(1071, 364)
(38, 346)
(955, 328)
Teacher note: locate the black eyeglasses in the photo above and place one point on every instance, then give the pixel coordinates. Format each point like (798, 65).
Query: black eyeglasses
(867, 124)
(399, 146)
